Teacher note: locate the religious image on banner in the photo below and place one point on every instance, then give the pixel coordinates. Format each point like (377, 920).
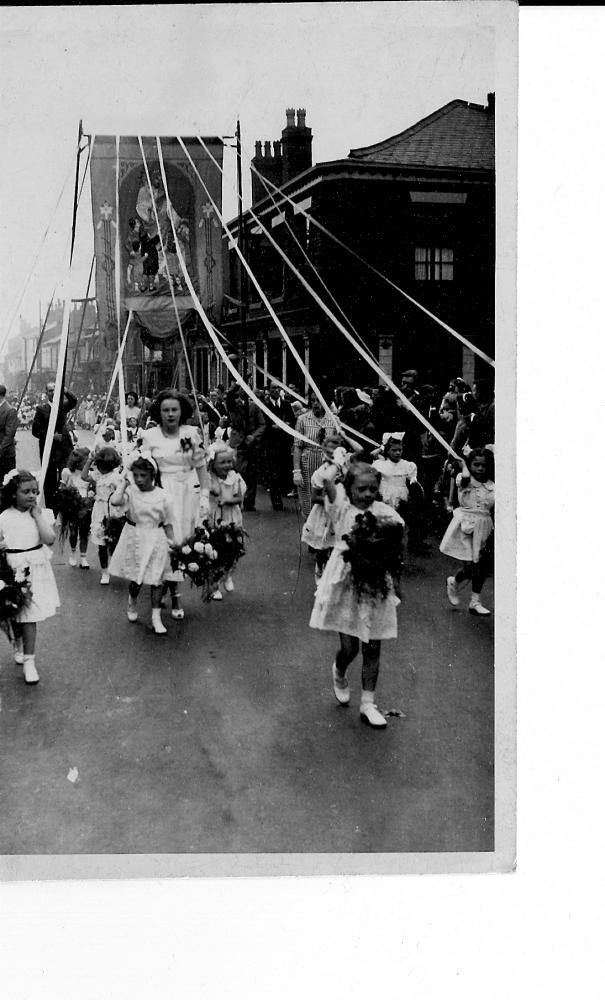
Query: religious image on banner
(151, 268)
(148, 221)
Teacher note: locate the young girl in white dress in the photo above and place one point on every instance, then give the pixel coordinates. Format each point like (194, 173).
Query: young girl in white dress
(317, 531)
(142, 554)
(79, 531)
(181, 459)
(396, 474)
(338, 606)
(471, 528)
(226, 496)
(102, 470)
(26, 531)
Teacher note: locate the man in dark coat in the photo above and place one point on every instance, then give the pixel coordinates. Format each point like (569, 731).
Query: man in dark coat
(9, 421)
(62, 444)
(278, 448)
(247, 425)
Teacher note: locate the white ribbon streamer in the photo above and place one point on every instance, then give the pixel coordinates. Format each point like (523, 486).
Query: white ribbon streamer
(301, 399)
(364, 354)
(117, 272)
(58, 393)
(323, 229)
(217, 344)
(175, 307)
(268, 306)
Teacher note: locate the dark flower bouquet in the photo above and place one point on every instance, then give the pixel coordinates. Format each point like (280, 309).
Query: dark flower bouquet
(15, 594)
(72, 507)
(112, 529)
(208, 555)
(375, 554)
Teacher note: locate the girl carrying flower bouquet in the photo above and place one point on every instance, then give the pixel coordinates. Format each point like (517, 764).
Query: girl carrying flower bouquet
(356, 594)
(26, 531)
(75, 506)
(102, 472)
(227, 492)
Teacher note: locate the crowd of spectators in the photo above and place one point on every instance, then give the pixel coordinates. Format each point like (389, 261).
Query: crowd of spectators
(461, 413)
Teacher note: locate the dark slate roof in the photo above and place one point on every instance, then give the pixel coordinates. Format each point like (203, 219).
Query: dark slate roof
(458, 135)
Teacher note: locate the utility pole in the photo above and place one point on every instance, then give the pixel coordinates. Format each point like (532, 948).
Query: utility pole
(76, 183)
(243, 282)
(73, 241)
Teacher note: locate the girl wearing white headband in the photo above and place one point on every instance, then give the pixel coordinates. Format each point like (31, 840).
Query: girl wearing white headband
(226, 496)
(396, 473)
(142, 554)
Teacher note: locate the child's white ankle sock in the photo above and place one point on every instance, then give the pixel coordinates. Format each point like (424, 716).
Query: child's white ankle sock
(29, 670)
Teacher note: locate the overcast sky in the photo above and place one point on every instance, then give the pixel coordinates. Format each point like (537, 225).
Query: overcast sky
(363, 72)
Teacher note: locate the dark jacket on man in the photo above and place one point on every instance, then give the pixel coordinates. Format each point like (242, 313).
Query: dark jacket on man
(41, 421)
(9, 422)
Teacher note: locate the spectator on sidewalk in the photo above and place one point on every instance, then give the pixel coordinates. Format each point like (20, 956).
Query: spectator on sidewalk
(62, 443)
(9, 421)
(247, 425)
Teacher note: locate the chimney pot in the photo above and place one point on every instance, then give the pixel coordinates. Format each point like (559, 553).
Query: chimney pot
(277, 148)
(301, 114)
(289, 117)
(258, 148)
(491, 101)
(268, 149)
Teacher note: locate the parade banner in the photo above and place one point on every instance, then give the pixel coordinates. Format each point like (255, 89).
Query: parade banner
(146, 217)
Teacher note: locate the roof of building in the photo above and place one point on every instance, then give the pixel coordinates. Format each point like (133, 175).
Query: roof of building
(458, 135)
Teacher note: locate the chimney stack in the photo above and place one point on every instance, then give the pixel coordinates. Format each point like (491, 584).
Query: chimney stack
(269, 165)
(288, 158)
(296, 144)
(491, 102)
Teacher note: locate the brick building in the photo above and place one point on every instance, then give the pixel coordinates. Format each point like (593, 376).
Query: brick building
(84, 371)
(419, 206)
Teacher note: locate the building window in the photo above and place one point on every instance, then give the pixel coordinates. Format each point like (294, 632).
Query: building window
(433, 264)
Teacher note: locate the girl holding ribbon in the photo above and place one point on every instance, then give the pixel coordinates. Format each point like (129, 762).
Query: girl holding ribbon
(469, 533)
(314, 424)
(142, 554)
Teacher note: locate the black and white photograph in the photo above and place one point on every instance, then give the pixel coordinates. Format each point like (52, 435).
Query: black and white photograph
(265, 271)
(258, 298)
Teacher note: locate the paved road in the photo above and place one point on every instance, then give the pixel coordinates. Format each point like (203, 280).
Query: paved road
(224, 736)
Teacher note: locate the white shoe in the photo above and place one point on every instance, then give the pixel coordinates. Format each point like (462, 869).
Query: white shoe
(369, 714)
(228, 584)
(18, 652)
(73, 559)
(476, 608)
(131, 610)
(29, 671)
(217, 596)
(84, 563)
(341, 686)
(157, 624)
(104, 578)
(177, 613)
(452, 591)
